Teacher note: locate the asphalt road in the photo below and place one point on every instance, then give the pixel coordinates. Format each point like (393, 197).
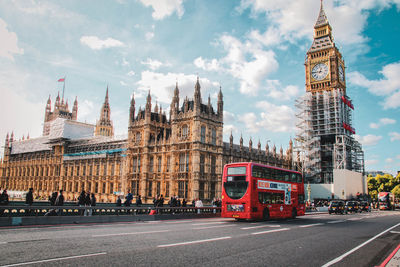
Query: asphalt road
(312, 240)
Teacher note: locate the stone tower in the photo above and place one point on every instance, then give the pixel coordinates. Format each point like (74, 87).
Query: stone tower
(104, 126)
(326, 110)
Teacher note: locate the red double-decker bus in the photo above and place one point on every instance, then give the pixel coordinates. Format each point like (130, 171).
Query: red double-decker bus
(256, 191)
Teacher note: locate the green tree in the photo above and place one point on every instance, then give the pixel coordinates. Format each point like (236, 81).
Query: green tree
(396, 191)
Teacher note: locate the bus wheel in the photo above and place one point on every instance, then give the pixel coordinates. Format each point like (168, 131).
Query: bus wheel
(294, 213)
(266, 214)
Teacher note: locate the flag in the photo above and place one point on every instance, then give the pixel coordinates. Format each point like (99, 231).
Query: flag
(61, 80)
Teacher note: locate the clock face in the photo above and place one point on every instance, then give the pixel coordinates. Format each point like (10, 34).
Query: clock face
(319, 71)
(341, 73)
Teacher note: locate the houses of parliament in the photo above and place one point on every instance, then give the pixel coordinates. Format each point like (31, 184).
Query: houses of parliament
(182, 154)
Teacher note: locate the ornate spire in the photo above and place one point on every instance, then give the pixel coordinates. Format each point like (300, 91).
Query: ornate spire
(322, 19)
(75, 109)
(148, 104)
(220, 104)
(106, 98)
(132, 110)
(197, 94)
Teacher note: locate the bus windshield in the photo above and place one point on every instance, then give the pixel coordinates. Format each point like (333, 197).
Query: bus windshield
(236, 186)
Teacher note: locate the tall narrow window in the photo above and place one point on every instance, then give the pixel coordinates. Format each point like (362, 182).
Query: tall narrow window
(168, 163)
(150, 189)
(159, 164)
(181, 162)
(104, 188)
(105, 169)
(213, 162)
(111, 188)
(214, 137)
(166, 189)
(203, 134)
(84, 170)
(202, 160)
(151, 164)
(158, 188)
(112, 169)
(201, 190)
(134, 165)
(187, 162)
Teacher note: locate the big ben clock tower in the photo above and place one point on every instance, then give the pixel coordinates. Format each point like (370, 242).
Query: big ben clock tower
(324, 63)
(325, 111)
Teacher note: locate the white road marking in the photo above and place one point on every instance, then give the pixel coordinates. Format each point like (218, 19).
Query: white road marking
(194, 242)
(260, 226)
(55, 259)
(179, 222)
(355, 219)
(3, 243)
(339, 221)
(198, 224)
(395, 232)
(270, 231)
(208, 227)
(358, 247)
(132, 233)
(311, 225)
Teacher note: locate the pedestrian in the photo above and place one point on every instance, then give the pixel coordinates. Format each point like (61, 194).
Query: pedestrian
(184, 203)
(214, 204)
(138, 201)
(198, 205)
(88, 212)
(29, 197)
(81, 201)
(4, 197)
(128, 199)
(92, 203)
(53, 198)
(119, 201)
(60, 201)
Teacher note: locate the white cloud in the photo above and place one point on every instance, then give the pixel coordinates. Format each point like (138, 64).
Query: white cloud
(162, 85)
(246, 61)
(368, 140)
(275, 90)
(398, 157)
(96, 44)
(153, 64)
(394, 136)
(123, 83)
(164, 8)
(8, 44)
(48, 9)
(209, 66)
(149, 36)
(382, 122)
(229, 121)
(131, 73)
(273, 118)
(388, 86)
(293, 19)
(87, 112)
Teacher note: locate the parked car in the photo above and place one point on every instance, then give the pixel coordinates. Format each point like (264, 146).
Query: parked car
(352, 206)
(365, 206)
(336, 206)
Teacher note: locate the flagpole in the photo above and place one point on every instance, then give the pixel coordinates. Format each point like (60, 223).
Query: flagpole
(63, 88)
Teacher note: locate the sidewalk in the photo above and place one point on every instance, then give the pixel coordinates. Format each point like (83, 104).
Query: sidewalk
(393, 260)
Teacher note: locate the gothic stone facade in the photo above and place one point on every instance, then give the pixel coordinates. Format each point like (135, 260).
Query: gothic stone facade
(181, 155)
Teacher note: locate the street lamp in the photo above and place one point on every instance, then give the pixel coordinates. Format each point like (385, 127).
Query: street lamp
(309, 192)
(342, 193)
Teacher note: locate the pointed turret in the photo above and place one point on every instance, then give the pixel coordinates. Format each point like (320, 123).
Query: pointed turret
(132, 110)
(156, 108)
(231, 141)
(220, 103)
(57, 103)
(104, 125)
(197, 93)
(241, 142)
(75, 109)
(48, 110)
(250, 145)
(259, 146)
(148, 105)
(7, 143)
(175, 102)
(322, 20)
(12, 137)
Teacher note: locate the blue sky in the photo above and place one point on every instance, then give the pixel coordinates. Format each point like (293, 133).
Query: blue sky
(254, 50)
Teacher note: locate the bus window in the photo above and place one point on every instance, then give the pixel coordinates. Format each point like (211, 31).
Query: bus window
(270, 198)
(236, 186)
(299, 178)
(286, 177)
(236, 170)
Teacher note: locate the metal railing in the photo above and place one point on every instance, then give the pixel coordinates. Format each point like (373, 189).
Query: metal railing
(25, 210)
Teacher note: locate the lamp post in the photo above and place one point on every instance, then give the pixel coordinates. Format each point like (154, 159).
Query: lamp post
(342, 193)
(309, 192)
